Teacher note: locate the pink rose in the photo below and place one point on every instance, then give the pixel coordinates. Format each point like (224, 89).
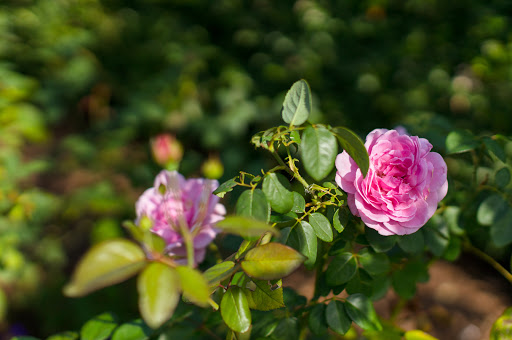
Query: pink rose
(173, 203)
(404, 184)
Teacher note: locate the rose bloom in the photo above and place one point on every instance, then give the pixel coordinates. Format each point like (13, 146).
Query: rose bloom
(404, 184)
(174, 203)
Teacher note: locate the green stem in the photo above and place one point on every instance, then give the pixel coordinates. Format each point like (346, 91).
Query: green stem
(290, 171)
(506, 274)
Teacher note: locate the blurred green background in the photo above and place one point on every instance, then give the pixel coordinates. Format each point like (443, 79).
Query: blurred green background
(85, 85)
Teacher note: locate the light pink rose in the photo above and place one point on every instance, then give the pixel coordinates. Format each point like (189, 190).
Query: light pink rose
(403, 186)
(174, 202)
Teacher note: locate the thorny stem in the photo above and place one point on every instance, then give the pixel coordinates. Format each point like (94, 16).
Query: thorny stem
(290, 171)
(474, 250)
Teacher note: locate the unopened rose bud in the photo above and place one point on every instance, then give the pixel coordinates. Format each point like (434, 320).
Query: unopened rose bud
(213, 168)
(167, 150)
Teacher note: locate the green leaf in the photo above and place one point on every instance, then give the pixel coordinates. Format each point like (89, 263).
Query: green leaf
(280, 198)
(453, 249)
(303, 239)
(264, 297)
(214, 275)
(271, 261)
(381, 284)
(340, 220)
(194, 285)
(105, 264)
(63, 336)
(502, 177)
(226, 187)
(337, 317)
(436, 235)
(342, 268)
(362, 283)
(288, 328)
(404, 280)
(502, 328)
(317, 321)
(374, 263)
(234, 309)
(501, 231)
(360, 309)
(460, 141)
(495, 148)
(378, 242)
(319, 151)
(3, 305)
(159, 293)
(385, 334)
(98, 328)
(412, 243)
(245, 226)
(321, 226)
(299, 204)
(297, 103)
(135, 330)
(144, 235)
(491, 209)
(354, 146)
(253, 203)
(419, 335)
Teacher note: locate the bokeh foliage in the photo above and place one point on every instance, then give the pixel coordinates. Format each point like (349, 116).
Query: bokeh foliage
(84, 84)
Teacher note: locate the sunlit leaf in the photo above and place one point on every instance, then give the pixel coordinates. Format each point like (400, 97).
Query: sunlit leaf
(354, 146)
(340, 219)
(491, 209)
(280, 198)
(245, 226)
(318, 152)
(303, 239)
(62, 336)
(194, 285)
(502, 328)
(253, 203)
(219, 272)
(134, 330)
(460, 141)
(105, 264)
(234, 309)
(271, 261)
(159, 292)
(419, 335)
(321, 226)
(299, 204)
(297, 103)
(98, 328)
(264, 297)
(226, 187)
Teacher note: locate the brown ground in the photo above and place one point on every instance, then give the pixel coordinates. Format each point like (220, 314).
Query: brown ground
(461, 300)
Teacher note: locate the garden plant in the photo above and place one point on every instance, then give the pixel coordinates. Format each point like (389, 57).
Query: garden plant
(139, 199)
(362, 218)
